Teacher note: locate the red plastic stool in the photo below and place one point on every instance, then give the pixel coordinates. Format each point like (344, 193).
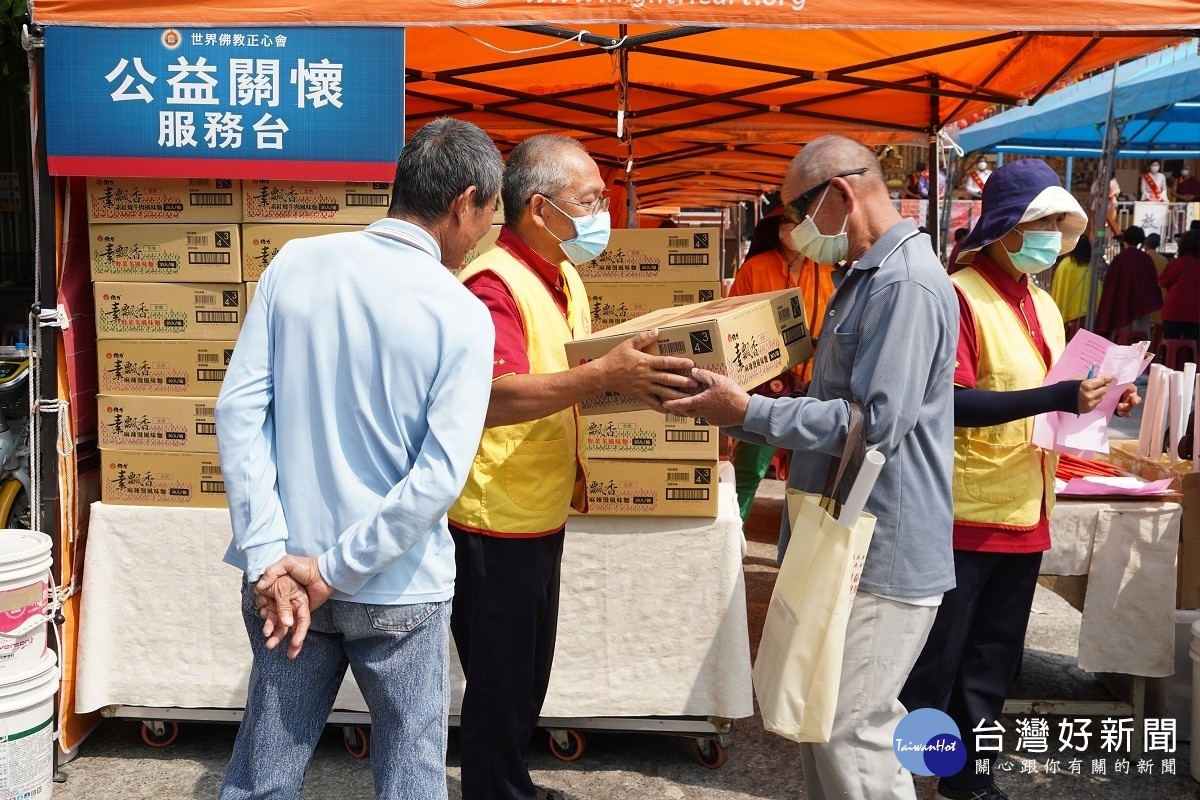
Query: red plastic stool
(1127, 337)
(1174, 353)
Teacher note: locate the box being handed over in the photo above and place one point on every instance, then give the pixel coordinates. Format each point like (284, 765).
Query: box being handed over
(751, 339)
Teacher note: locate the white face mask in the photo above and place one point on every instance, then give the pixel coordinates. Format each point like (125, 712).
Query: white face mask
(1154, 167)
(982, 166)
(1185, 172)
(823, 248)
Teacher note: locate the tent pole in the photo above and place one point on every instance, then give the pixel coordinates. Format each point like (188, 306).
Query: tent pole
(1069, 178)
(931, 202)
(1100, 206)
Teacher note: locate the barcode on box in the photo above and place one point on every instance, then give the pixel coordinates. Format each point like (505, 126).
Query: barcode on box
(371, 200)
(197, 241)
(794, 334)
(687, 259)
(683, 477)
(687, 494)
(676, 419)
(217, 316)
(684, 299)
(208, 358)
(211, 199)
(687, 436)
(210, 470)
(206, 299)
(210, 375)
(784, 313)
(206, 429)
(208, 258)
(671, 348)
(679, 241)
(212, 487)
(204, 411)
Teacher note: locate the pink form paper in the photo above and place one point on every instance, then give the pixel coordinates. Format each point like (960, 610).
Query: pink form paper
(1085, 434)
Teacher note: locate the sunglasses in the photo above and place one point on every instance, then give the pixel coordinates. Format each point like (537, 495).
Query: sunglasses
(795, 210)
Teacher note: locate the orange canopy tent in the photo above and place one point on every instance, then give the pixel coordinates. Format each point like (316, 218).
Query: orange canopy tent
(686, 102)
(704, 101)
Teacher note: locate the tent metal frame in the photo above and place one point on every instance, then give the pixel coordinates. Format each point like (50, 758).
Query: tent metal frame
(735, 105)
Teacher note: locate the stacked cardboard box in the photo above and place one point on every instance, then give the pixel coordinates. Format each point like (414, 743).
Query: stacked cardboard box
(166, 261)
(642, 463)
(176, 263)
(644, 270)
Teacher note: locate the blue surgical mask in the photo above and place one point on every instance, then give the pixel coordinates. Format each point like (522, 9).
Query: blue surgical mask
(1038, 251)
(590, 239)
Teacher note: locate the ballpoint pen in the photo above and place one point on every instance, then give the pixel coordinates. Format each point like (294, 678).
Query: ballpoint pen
(1092, 371)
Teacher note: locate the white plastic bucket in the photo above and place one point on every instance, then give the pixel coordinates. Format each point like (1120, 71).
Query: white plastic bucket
(24, 592)
(1195, 745)
(27, 730)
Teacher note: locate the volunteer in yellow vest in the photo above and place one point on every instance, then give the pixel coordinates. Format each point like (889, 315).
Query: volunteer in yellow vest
(1010, 333)
(530, 469)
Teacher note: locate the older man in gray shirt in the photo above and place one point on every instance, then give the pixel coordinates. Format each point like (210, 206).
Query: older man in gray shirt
(887, 344)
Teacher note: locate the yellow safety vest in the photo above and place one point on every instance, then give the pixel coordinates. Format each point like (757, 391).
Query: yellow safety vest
(1000, 476)
(526, 476)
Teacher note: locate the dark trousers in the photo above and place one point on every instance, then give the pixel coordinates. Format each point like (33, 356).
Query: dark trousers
(974, 650)
(504, 623)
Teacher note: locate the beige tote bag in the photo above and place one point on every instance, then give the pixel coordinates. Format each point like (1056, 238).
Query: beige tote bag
(799, 663)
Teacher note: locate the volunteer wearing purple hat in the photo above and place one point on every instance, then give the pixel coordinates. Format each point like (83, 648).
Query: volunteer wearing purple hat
(1010, 333)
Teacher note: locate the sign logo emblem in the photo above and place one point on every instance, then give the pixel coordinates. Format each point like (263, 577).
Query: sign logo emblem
(927, 742)
(171, 38)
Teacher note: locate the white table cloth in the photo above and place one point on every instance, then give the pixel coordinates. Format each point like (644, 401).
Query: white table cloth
(652, 619)
(1127, 551)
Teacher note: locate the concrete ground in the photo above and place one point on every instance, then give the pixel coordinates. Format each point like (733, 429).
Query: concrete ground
(115, 765)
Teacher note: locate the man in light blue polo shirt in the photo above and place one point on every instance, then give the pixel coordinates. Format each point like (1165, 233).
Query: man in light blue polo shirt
(887, 344)
(347, 424)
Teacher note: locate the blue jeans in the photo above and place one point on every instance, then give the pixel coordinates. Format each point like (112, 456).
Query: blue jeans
(399, 655)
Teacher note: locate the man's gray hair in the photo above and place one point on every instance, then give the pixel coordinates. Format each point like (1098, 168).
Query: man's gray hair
(825, 157)
(438, 163)
(534, 167)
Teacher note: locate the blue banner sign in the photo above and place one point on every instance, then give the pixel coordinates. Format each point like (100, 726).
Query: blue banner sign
(311, 103)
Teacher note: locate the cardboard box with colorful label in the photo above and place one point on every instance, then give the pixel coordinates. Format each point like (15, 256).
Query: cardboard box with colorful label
(260, 243)
(145, 252)
(751, 339)
(652, 488)
(657, 255)
(174, 480)
(615, 303)
(164, 200)
(331, 202)
(142, 422)
(649, 435)
(162, 368)
(169, 310)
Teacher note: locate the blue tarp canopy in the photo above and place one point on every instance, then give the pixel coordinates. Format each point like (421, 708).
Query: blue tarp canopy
(1158, 97)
